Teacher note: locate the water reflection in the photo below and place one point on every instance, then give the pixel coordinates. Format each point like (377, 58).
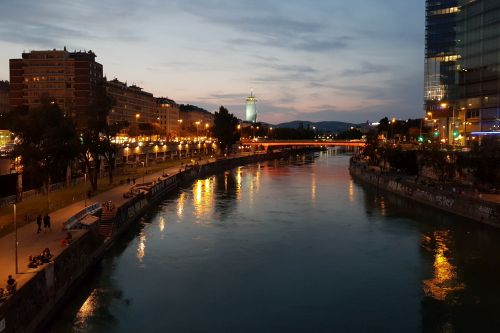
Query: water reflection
(313, 188)
(87, 310)
(161, 226)
(445, 279)
(460, 264)
(141, 246)
(228, 194)
(180, 205)
(351, 191)
(202, 198)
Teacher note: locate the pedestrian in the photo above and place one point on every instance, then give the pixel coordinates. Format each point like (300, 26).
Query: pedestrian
(46, 221)
(39, 223)
(69, 238)
(11, 284)
(133, 181)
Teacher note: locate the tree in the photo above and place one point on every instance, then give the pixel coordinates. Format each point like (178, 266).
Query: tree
(96, 135)
(48, 141)
(371, 147)
(442, 163)
(484, 161)
(225, 128)
(383, 125)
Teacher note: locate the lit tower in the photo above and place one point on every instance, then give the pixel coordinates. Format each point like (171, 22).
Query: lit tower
(251, 114)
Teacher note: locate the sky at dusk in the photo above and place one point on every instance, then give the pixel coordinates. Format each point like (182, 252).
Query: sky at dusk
(349, 60)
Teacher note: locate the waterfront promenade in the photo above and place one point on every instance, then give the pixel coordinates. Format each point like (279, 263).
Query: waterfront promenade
(31, 243)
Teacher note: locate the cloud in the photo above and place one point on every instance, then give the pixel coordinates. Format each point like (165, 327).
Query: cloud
(367, 68)
(303, 58)
(225, 96)
(48, 25)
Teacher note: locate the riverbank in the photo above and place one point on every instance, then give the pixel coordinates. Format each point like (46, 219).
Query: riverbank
(42, 290)
(474, 207)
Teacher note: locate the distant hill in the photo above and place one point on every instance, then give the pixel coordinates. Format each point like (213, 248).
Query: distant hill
(327, 126)
(189, 108)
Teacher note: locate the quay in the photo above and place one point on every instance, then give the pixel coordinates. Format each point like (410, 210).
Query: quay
(483, 208)
(41, 291)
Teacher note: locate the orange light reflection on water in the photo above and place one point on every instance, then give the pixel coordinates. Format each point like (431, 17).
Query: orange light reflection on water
(313, 189)
(180, 204)
(203, 197)
(351, 191)
(445, 279)
(141, 246)
(87, 310)
(238, 183)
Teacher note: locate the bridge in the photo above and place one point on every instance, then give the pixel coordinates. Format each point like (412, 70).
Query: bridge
(303, 143)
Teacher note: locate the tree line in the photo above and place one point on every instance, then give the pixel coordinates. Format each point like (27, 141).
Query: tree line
(48, 140)
(482, 160)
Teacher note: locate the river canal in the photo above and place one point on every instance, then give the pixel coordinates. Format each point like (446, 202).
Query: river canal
(292, 246)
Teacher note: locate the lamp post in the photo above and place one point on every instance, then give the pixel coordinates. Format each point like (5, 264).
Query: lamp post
(137, 116)
(180, 126)
(420, 134)
(393, 120)
(16, 244)
(197, 123)
(143, 171)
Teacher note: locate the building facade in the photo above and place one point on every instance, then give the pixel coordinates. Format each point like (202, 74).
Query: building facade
(441, 55)
(66, 77)
(462, 69)
(251, 109)
(195, 121)
(133, 107)
(167, 112)
(478, 29)
(4, 96)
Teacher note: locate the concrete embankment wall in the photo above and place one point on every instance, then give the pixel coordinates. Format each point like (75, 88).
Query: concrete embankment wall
(37, 301)
(31, 304)
(455, 203)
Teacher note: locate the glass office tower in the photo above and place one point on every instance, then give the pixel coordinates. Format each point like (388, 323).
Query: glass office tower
(478, 32)
(441, 56)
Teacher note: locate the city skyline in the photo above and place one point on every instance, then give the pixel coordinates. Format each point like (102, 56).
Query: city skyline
(333, 61)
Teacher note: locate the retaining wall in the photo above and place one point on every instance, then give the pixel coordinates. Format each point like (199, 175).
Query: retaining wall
(455, 203)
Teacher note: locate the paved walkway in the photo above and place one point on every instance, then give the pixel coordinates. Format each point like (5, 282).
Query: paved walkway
(31, 243)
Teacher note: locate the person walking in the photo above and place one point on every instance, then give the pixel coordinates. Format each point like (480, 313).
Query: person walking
(39, 223)
(46, 221)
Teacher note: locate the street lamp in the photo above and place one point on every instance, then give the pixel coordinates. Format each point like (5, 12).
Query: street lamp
(391, 131)
(180, 126)
(197, 123)
(16, 243)
(143, 171)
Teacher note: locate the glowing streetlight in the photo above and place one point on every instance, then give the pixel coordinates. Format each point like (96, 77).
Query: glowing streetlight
(197, 123)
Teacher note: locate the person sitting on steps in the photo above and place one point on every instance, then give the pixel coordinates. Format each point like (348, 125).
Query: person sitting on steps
(11, 285)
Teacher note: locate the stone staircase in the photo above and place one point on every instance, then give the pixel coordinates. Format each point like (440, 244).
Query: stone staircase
(105, 227)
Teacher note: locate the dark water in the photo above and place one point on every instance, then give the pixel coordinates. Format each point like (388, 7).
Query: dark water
(293, 246)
